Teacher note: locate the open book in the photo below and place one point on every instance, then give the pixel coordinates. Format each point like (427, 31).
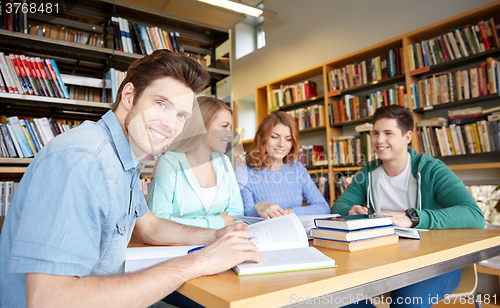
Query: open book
(306, 220)
(282, 241)
(284, 247)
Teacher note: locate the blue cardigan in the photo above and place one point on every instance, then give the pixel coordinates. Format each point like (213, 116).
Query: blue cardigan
(174, 192)
(286, 187)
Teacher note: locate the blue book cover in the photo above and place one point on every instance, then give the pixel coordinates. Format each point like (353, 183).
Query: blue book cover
(59, 79)
(32, 134)
(18, 131)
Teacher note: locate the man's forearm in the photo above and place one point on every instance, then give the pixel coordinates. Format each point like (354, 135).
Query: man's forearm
(157, 231)
(139, 289)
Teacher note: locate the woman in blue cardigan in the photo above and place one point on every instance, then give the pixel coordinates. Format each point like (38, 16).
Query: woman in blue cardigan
(194, 183)
(274, 183)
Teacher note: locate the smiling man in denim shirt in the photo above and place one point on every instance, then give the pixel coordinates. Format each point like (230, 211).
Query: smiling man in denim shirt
(63, 243)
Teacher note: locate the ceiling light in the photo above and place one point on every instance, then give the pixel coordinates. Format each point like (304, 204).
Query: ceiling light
(237, 7)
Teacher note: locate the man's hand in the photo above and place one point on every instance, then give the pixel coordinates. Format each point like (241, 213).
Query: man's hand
(228, 220)
(237, 229)
(358, 209)
(398, 218)
(269, 210)
(227, 251)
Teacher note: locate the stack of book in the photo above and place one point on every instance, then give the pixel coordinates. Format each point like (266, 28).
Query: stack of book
(354, 232)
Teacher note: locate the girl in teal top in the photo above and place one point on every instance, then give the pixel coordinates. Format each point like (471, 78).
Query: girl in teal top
(194, 183)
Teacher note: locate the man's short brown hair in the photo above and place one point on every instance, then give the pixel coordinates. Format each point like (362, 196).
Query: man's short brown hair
(403, 116)
(163, 63)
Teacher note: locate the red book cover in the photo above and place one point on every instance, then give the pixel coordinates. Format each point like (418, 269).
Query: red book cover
(341, 111)
(464, 116)
(16, 61)
(443, 49)
(29, 74)
(386, 102)
(484, 37)
(36, 74)
(483, 77)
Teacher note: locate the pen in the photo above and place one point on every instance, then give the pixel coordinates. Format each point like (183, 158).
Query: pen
(195, 249)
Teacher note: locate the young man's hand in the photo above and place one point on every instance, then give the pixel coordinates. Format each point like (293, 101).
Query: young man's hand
(358, 209)
(227, 251)
(269, 210)
(398, 218)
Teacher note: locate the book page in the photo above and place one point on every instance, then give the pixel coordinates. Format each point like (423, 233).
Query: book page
(286, 260)
(139, 258)
(308, 221)
(278, 233)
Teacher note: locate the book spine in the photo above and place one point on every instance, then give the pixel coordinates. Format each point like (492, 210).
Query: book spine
(53, 66)
(16, 61)
(8, 140)
(22, 60)
(27, 134)
(21, 138)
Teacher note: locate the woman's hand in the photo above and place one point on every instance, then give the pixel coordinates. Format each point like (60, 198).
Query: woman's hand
(228, 220)
(269, 210)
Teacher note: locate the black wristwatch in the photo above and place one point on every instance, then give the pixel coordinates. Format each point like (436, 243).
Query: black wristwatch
(412, 214)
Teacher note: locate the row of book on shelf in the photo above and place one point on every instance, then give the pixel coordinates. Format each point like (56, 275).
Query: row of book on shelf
(7, 189)
(24, 138)
(287, 95)
(312, 155)
(360, 73)
(321, 181)
(353, 150)
(467, 132)
(135, 38)
(457, 43)
(31, 76)
(309, 117)
(448, 87)
(358, 107)
(60, 32)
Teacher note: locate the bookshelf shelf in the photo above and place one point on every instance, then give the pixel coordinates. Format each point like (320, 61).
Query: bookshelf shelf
(12, 170)
(53, 102)
(317, 169)
(484, 98)
(346, 168)
(357, 121)
(14, 161)
(487, 157)
(369, 86)
(312, 129)
(247, 142)
(495, 52)
(304, 103)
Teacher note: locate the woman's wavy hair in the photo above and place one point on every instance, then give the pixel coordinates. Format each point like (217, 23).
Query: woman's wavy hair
(257, 159)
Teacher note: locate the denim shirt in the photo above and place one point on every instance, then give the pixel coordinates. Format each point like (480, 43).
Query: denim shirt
(74, 209)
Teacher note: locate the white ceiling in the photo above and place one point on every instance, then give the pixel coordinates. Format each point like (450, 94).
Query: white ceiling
(198, 12)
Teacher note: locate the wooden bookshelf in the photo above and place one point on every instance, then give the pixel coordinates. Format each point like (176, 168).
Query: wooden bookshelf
(475, 162)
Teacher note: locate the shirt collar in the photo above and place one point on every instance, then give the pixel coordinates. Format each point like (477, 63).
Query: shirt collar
(115, 132)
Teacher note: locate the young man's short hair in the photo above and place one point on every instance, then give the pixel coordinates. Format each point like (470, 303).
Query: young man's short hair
(163, 63)
(403, 116)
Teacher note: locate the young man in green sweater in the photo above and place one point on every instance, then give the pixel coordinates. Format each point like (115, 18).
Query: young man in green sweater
(417, 190)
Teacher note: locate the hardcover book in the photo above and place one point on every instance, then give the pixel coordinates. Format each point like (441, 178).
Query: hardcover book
(353, 222)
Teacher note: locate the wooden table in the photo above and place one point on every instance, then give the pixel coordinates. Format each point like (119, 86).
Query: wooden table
(368, 273)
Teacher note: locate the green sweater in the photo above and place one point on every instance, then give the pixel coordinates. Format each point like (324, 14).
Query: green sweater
(440, 197)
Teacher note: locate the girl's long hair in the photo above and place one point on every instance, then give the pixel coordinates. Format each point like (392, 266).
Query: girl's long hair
(257, 159)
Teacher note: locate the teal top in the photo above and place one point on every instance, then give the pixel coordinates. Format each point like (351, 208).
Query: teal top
(174, 193)
(440, 197)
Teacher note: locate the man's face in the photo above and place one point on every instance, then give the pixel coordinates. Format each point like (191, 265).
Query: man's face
(388, 141)
(158, 116)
